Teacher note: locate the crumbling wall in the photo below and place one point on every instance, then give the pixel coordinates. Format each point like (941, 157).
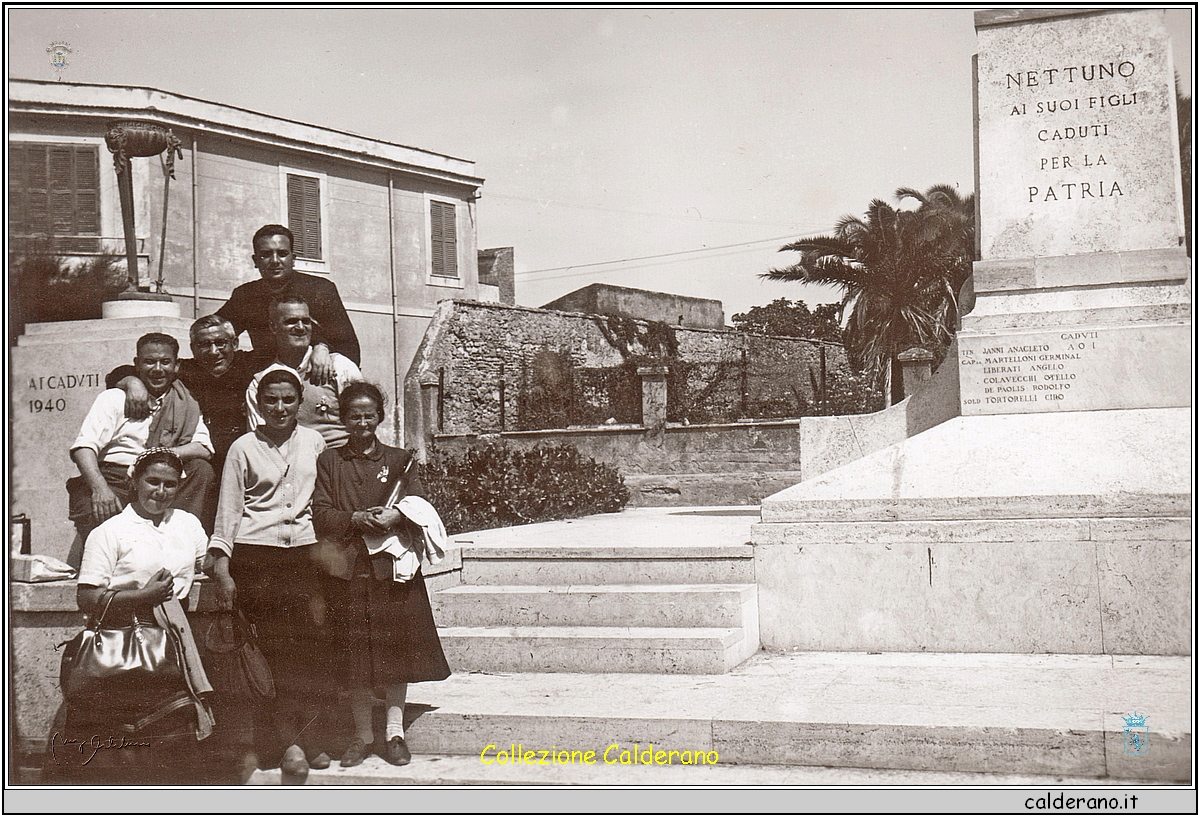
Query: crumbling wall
(559, 369)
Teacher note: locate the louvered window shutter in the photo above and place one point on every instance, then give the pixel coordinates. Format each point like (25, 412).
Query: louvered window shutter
(304, 215)
(444, 249)
(54, 190)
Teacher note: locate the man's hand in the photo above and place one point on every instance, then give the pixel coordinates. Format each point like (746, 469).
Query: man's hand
(320, 366)
(104, 503)
(137, 399)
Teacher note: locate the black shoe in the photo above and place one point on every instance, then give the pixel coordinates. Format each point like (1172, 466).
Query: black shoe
(293, 769)
(321, 761)
(396, 752)
(355, 755)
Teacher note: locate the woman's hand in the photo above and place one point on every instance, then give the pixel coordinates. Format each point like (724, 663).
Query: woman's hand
(160, 589)
(217, 566)
(388, 518)
(367, 521)
(226, 592)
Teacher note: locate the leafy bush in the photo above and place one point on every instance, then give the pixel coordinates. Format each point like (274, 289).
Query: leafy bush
(850, 393)
(47, 286)
(494, 486)
(786, 318)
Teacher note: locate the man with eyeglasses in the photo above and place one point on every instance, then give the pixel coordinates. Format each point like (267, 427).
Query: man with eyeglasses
(217, 375)
(275, 259)
(292, 325)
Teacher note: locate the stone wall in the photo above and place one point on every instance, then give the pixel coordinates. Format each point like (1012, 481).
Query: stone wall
(704, 464)
(768, 445)
(677, 310)
(559, 369)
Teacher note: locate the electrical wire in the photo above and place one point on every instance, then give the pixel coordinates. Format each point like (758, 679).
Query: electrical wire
(635, 267)
(792, 237)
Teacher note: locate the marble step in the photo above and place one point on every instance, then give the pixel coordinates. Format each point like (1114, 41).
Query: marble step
(935, 712)
(715, 483)
(666, 650)
(611, 605)
(566, 564)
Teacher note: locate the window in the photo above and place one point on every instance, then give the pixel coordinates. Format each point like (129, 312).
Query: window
(54, 190)
(304, 208)
(443, 243)
(304, 215)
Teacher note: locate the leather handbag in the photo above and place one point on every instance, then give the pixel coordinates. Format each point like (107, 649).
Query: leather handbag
(236, 666)
(121, 668)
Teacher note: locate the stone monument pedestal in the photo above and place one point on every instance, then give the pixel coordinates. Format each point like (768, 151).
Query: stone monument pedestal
(57, 371)
(1054, 514)
(1064, 532)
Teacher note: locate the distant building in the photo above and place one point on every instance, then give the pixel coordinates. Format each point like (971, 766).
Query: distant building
(676, 310)
(392, 226)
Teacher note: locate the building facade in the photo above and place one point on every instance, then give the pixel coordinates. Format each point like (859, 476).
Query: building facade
(392, 226)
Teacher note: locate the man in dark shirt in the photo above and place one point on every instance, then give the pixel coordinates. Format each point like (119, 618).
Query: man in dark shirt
(217, 377)
(246, 308)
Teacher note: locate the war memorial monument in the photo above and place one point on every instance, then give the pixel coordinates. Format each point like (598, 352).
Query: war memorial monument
(1050, 517)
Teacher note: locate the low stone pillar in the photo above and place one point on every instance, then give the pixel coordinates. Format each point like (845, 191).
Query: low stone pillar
(918, 367)
(430, 398)
(140, 305)
(654, 397)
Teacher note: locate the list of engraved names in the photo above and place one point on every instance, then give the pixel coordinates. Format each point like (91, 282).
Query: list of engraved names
(1044, 371)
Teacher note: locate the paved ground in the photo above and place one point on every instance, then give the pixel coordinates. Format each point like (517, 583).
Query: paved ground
(434, 770)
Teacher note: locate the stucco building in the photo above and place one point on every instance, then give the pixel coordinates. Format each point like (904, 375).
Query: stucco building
(392, 226)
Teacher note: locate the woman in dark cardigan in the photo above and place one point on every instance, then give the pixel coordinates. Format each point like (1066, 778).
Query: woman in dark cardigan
(383, 630)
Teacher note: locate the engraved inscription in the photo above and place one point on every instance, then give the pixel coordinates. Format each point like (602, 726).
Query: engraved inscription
(66, 381)
(1064, 121)
(46, 387)
(1028, 373)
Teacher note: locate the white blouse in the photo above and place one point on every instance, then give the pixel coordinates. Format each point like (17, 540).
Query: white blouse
(127, 549)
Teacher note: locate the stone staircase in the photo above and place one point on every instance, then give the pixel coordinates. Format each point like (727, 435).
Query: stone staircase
(633, 630)
(803, 718)
(673, 607)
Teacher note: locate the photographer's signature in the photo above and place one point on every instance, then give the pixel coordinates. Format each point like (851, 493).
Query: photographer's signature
(90, 746)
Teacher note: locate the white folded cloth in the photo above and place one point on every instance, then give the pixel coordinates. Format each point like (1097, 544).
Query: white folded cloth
(406, 559)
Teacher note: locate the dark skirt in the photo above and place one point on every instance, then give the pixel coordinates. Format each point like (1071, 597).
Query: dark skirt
(280, 591)
(382, 631)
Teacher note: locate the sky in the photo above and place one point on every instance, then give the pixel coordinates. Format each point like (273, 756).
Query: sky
(705, 137)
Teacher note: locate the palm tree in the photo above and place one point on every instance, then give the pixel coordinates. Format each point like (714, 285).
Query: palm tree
(900, 272)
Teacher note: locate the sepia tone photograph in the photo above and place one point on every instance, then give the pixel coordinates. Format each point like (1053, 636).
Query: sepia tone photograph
(689, 404)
